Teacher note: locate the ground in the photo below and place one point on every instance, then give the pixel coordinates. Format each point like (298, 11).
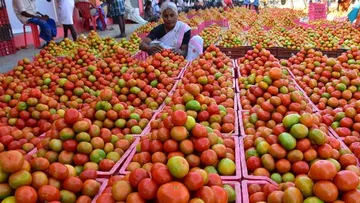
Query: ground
(8, 62)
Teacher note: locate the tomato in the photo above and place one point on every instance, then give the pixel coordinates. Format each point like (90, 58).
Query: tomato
(205, 193)
(322, 170)
(147, 188)
(351, 196)
(326, 191)
(161, 175)
(48, 193)
(220, 194)
(122, 186)
(137, 175)
(292, 195)
(58, 171)
(275, 197)
(113, 179)
(173, 192)
(214, 179)
(90, 188)
(87, 174)
(178, 166)
(257, 197)
(193, 181)
(71, 116)
(105, 198)
(39, 164)
(83, 199)
(73, 184)
(135, 198)
(305, 185)
(26, 194)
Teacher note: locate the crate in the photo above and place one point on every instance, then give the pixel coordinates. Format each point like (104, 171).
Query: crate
(234, 53)
(284, 53)
(7, 47)
(238, 172)
(244, 188)
(6, 32)
(4, 18)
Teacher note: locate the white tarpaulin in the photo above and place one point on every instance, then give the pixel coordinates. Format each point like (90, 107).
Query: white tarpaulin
(133, 13)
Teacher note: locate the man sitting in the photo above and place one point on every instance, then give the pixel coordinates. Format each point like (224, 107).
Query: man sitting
(26, 12)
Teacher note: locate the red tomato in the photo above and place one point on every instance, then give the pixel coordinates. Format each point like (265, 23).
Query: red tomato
(58, 171)
(73, 184)
(193, 181)
(351, 196)
(48, 193)
(137, 175)
(326, 191)
(173, 192)
(105, 198)
(26, 194)
(135, 198)
(161, 175)
(205, 193)
(147, 188)
(220, 194)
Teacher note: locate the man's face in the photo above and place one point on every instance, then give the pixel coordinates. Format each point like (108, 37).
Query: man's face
(170, 18)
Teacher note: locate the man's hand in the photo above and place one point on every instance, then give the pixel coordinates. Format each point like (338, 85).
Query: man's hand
(178, 51)
(155, 49)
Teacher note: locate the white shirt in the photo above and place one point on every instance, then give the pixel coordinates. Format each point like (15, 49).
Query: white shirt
(24, 5)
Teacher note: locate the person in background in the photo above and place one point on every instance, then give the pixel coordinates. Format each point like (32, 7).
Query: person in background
(65, 14)
(156, 7)
(117, 12)
(26, 12)
(247, 4)
(172, 34)
(354, 16)
(95, 12)
(256, 6)
(150, 14)
(199, 4)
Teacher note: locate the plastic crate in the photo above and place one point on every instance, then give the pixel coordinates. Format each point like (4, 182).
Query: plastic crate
(7, 47)
(284, 53)
(4, 18)
(104, 183)
(244, 188)
(237, 176)
(245, 172)
(107, 174)
(6, 32)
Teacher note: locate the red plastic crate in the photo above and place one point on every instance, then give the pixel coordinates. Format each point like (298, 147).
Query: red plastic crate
(7, 47)
(4, 18)
(6, 33)
(237, 176)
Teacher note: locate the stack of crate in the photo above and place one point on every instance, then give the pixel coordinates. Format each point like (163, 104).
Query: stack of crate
(7, 43)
